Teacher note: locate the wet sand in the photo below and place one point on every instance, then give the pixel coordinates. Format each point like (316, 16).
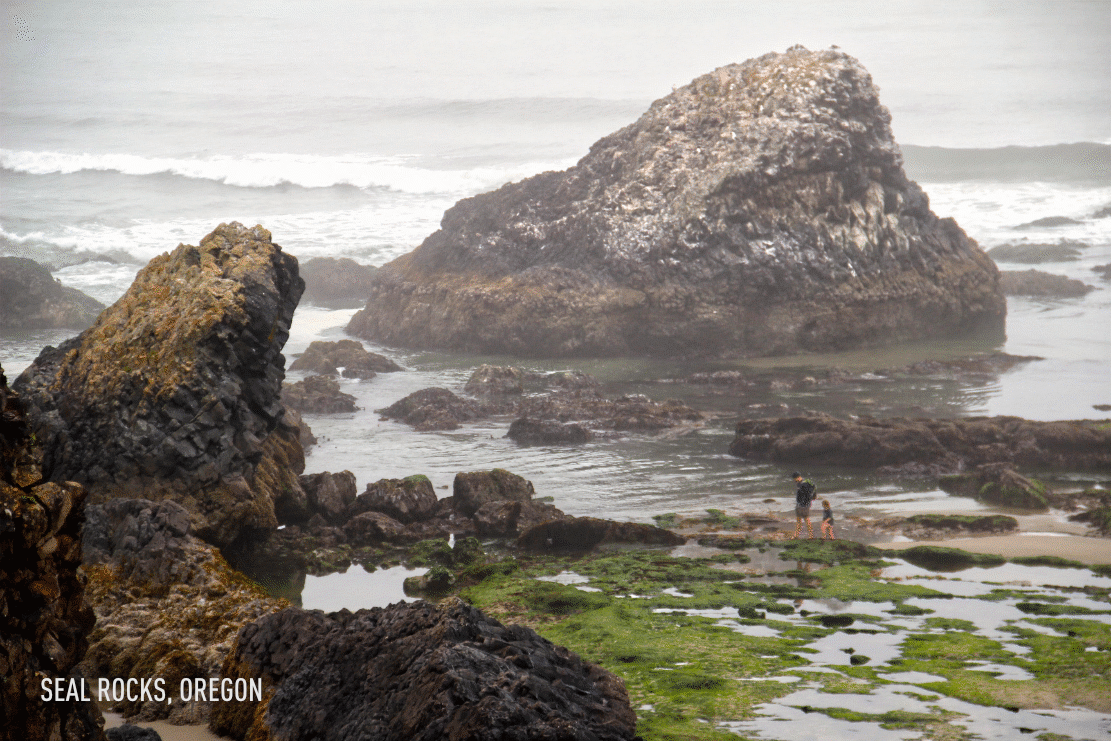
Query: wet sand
(1075, 547)
(167, 731)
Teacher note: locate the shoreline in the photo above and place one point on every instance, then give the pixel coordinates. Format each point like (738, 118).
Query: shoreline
(1085, 549)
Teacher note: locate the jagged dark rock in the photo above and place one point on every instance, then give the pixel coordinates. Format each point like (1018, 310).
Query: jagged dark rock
(356, 361)
(405, 500)
(31, 298)
(761, 209)
(528, 431)
(167, 604)
(174, 392)
(317, 395)
(584, 533)
(1038, 283)
(129, 732)
(926, 446)
(45, 618)
(434, 409)
(331, 280)
(418, 672)
(330, 495)
(496, 379)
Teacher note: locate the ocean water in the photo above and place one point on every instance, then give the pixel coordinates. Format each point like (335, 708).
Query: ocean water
(347, 129)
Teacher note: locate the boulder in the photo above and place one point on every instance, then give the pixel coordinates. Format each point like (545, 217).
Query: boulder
(406, 500)
(45, 618)
(317, 395)
(584, 533)
(496, 379)
(329, 494)
(418, 672)
(1065, 250)
(996, 483)
(357, 362)
(375, 528)
(925, 446)
(762, 209)
(1104, 271)
(470, 491)
(1041, 284)
(330, 280)
(30, 298)
(434, 409)
(527, 431)
(174, 392)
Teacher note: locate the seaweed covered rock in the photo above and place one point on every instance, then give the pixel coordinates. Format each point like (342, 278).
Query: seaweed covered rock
(584, 533)
(31, 298)
(418, 672)
(174, 392)
(899, 444)
(996, 483)
(45, 618)
(762, 209)
(167, 604)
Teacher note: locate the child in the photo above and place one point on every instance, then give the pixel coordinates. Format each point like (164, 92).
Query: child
(827, 520)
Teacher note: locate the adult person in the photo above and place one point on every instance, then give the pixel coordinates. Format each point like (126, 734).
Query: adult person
(804, 495)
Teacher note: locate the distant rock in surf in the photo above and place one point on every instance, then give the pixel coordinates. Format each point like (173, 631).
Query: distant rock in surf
(1065, 250)
(761, 209)
(1037, 283)
(30, 298)
(332, 280)
(174, 392)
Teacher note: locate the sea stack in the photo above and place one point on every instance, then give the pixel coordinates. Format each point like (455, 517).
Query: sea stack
(174, 392)
(762, 209)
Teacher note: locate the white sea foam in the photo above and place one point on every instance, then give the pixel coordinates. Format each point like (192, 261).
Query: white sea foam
(263, 170)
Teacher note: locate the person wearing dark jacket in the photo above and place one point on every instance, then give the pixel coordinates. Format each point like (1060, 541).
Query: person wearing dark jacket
(804, 495)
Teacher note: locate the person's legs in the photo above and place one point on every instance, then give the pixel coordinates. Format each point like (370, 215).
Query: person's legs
(809, 528)
(827, 530)
(798, 525)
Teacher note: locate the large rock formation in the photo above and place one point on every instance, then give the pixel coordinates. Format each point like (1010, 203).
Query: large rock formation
(31, 298)
(418, 672)
(761, 209)
(44, 619)
(174, 392)
(926, 445)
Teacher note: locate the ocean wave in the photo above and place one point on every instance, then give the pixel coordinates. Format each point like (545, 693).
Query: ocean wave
(1081, 162)
(270, 170)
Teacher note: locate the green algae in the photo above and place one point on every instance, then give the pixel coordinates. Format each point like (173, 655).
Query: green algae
(1054, 561)
(830, 551)
(938, 558)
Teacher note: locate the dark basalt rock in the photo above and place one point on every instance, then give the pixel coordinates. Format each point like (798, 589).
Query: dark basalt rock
(761, 209)
(405, 500)
(174, 392)
(584, 533)
(129, 732)
(45, 619)
(330, 495)
(317, 395)
(356, 361)
(434, 409)
(418, 672)
(1037, 283)
(332, 280)
(527, 431)
(924, 446)
(30, 298)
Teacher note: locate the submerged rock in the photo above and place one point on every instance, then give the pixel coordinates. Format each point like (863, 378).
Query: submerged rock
(1038, 283)
(761, 209)
(174, 392)
(45, 618)
(418, 672)
(926, 445)
(31, 298)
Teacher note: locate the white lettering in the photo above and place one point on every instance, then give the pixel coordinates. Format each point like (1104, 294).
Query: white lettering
(47, 690)
(102, 689)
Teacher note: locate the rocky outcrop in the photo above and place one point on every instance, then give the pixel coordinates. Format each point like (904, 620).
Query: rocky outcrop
(1065, 250)
(528, 431)
(1041, 284)
(317, 395)
(328, 357)
(44, 615)
(996, 483)
(406, 500)
(418, 672)
(761, 209)
(174, 392)
(30, 298)
(167, 604)
(435, 409)
(928, 446)
(331, 280)
(585, 533)
(1104, 271)
(329, 494)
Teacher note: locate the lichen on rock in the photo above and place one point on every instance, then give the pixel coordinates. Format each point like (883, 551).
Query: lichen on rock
(174, 392)
(761, 209)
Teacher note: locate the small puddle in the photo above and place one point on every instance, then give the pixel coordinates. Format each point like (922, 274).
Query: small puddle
(357, 589)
